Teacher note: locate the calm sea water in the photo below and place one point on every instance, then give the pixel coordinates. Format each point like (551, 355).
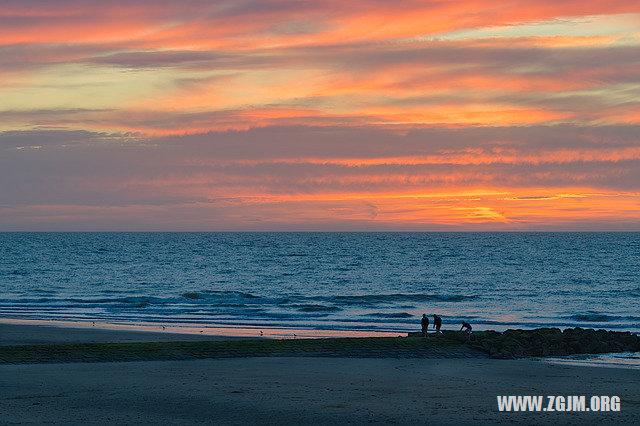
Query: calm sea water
(357, 281)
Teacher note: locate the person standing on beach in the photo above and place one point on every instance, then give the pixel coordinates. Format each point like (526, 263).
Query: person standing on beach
(437, 323)
(425, 324)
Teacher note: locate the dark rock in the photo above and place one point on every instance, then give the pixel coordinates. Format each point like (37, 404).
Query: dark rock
(546, 342)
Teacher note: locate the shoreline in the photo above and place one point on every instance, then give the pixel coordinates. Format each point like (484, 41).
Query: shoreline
(276, 332)
(200, 330)
(41, 342)
(370, 326)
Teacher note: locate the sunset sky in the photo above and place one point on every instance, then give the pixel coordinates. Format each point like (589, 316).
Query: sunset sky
(319, 115)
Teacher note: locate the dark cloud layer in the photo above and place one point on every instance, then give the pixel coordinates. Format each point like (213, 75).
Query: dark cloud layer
(94, 168)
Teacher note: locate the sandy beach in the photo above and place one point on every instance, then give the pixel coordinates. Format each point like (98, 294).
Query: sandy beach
(305, 390)
(32, 333)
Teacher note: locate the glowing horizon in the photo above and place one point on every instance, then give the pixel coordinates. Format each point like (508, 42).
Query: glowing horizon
(302, 115)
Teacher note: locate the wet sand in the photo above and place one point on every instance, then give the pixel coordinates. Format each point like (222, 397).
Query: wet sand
(20, 331)
(301, 390)
(31, 334)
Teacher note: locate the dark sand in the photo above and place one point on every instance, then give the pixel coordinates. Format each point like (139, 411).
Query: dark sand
(302, 390)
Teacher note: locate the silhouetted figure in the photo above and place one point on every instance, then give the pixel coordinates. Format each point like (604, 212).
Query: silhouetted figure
(466, 327)
(425, 324)
(437, 323)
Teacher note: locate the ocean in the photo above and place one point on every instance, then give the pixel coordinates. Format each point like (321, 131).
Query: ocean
(325, 281)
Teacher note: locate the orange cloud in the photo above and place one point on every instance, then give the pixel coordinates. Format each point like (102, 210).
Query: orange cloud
(170, 24)
(491, 115)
